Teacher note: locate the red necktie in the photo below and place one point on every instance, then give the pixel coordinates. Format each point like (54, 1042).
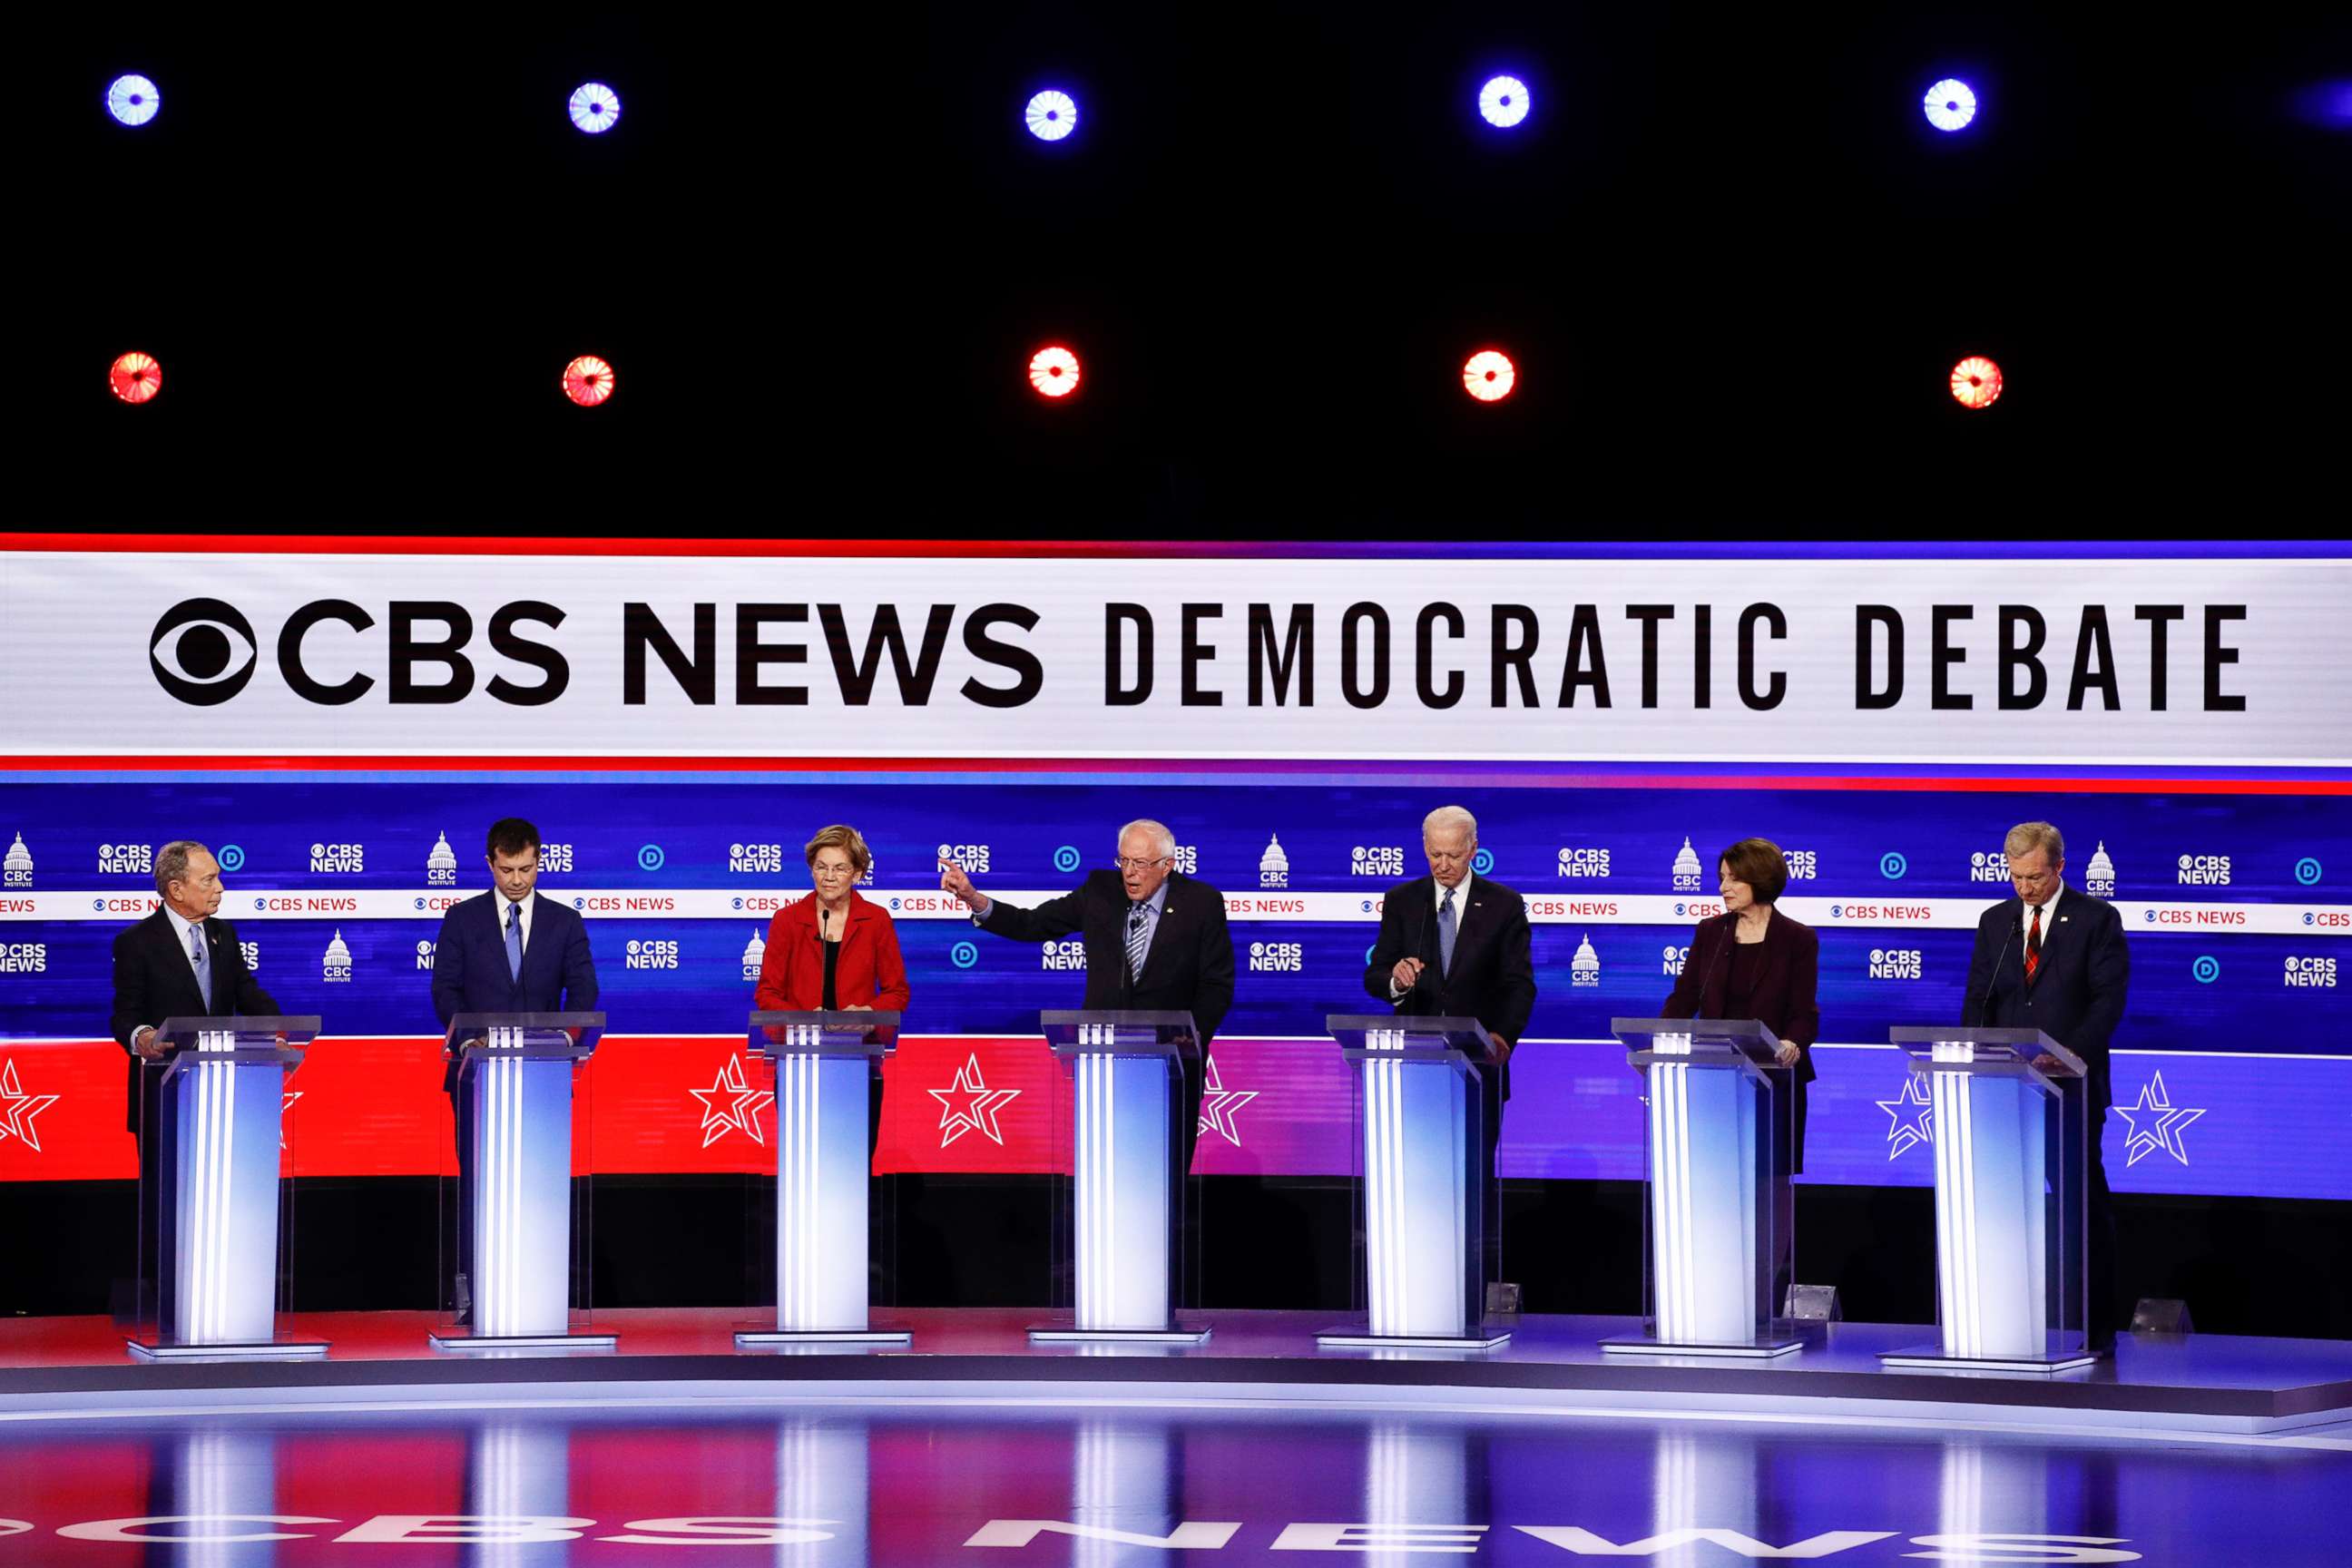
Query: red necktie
(2034, 946)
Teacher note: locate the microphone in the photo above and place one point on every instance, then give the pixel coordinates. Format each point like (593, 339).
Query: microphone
(1984, 1003)
(1724, 920)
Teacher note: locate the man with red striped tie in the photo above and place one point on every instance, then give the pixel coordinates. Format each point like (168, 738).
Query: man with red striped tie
(2054, 959)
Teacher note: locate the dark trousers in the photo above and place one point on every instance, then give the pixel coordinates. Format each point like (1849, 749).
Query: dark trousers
(1186, 1192)
(2088, 1225)
(155, 1291)
(458, 1264)
(1490, 1213)
(1788, 1136)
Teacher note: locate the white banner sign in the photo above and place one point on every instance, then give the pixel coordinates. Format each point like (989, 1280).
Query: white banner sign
(2310, 921)
(2068, 662)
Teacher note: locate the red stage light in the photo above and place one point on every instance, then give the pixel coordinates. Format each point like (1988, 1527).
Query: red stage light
(587, 380)
(1976, 382)
(1489, 375)
(136, 377)
(1054, 370)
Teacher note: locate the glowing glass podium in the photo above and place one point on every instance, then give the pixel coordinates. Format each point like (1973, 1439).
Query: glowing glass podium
(522, 1218)
(2009, 1111)
(1119, 1222)
(823, 1065)
(1420, 1181)
(1713, 1171)
(213, 1230)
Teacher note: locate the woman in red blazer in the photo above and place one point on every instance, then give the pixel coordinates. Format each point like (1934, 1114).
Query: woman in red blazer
(1753, 962)
(832, 951)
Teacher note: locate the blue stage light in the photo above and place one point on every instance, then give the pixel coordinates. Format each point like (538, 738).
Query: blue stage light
(1951, 104)
(1504, 101)
(595, 107)
(1051, 115)
(132, 100)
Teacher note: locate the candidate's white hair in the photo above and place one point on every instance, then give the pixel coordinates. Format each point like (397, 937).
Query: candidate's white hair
(1446, 816)
(1163, 840)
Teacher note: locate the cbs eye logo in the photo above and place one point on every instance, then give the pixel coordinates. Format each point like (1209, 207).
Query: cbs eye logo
(202, 651)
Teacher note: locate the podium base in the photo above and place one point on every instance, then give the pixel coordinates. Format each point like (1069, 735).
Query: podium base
(461, 1344)
(1931, 1358)
(1057, 1333)
(1355, 1337)
(1762, 1349)
(752, 1339)
(262, 1350)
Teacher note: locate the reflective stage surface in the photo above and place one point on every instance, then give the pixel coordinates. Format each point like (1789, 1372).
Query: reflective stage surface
(981, 1481)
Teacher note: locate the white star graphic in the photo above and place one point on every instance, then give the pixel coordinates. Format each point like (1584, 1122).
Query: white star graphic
(2157, 1105)
(17, 1108)
(1218, 1104)
(980, 1105)
(284, 1105)
(1910, 1115)
(741, 1113)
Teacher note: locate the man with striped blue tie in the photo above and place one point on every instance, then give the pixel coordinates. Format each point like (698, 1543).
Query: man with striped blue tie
(183, 961)
(1156, 939)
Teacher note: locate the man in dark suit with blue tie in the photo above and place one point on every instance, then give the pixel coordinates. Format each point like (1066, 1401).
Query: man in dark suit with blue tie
(2054, 959)
(1156, 940)
(1452, 944)
(506, 950)
(179, 962)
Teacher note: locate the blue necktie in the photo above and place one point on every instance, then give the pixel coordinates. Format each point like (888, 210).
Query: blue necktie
(1139, 938)
(514, 941)
(1445, 933)
(203, 967)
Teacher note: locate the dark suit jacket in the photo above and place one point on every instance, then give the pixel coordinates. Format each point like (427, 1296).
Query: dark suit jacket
(154, 981)
(1189, 966)
(1494, 976)
(868, 970)
(2077, 995)
(469, 965)
(1782, 999)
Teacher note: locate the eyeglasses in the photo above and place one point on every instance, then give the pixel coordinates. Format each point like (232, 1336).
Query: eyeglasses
(1129, 863)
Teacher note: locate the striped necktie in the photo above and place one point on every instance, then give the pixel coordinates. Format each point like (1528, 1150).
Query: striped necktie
(2034, 946)
(1139, 938)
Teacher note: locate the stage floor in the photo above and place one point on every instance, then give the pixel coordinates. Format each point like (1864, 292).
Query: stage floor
(2188, 1382)
(1108, 1474)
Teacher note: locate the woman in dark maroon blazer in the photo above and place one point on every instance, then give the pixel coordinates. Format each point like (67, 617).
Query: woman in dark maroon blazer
(834, 951)
(1753, 962)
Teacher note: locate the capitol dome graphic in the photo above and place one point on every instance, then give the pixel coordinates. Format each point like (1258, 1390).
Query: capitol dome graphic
(755, 953)
(1586, 965)
(1687, 861)
(1273, 866)
(338, 955)
(2101, 871)
(443, 857)
(20, 859)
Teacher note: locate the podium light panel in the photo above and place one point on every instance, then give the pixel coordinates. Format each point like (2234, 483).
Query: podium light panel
(1051, 115)
(1990, 1224)
(132, 100)
(226, 1255)
(595, 107)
